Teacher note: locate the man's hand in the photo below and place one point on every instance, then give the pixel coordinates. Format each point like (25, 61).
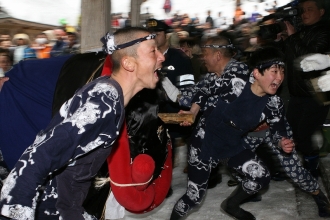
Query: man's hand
(193, 110)
(2, 81)
(315, 62)
(171, 91)
(287, 145)
(289, 28)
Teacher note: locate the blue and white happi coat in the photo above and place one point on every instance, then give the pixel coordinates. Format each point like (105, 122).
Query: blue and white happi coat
(86, 124)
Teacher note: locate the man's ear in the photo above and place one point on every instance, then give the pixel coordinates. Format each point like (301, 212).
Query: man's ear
(256, 73)
(322, 12)
(128, 63)
(219, 55)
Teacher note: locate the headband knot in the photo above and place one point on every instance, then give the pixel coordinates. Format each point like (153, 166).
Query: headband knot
(109, 42)
(218, 46)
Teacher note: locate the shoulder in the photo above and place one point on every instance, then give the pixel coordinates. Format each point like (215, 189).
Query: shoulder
(237, 67)
(238, 64)
(102, 86)
(176, 52)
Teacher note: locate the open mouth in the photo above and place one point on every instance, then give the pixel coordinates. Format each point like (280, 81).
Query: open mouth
(158, 73)
(275, 85)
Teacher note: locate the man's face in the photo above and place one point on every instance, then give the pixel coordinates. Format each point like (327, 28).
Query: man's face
(5, 37)
(187, 49)
(160, 38)
(5, 44)
(310, 13)
(210, 58)
(271, 80)
(20, 42)
(4, 63)
(71, 38)
(149, 59)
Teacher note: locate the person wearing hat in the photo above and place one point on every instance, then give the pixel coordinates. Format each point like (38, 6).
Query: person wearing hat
(179, 72)
(23, 50)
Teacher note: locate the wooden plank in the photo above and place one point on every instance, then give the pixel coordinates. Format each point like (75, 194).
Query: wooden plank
(175, 118)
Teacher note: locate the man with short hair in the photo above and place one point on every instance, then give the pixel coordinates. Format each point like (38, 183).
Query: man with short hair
(72, 46)
(305, 112)
(5, 63)
(75, 144)
(179, 72)
(59, 45)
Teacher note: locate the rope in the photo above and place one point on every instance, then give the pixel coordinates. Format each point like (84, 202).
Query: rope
(99, 182)
(93, 74)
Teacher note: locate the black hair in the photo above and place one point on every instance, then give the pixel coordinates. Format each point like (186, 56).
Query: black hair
(264, 55)
(188, 40)
(71, 33)
(319, 3)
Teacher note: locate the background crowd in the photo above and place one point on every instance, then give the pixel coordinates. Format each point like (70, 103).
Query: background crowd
(51, 43)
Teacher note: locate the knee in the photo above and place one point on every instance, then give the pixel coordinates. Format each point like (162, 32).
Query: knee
(265, 181)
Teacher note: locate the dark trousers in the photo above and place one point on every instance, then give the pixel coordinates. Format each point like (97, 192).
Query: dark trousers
(256, 177)
(305, 115)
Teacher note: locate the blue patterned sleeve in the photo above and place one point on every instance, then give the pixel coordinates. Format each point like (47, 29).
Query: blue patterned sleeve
(228, 86)
(187, 93)
(91, 118)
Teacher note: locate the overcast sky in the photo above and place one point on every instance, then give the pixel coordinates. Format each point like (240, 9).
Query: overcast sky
(50, 11)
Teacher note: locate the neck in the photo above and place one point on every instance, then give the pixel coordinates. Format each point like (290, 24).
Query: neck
(163, 48)
(222, 64)
(127, 84)
(257, 90)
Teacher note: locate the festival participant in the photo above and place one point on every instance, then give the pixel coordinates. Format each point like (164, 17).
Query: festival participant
(79, 138)
(221, 137)
(306, 112)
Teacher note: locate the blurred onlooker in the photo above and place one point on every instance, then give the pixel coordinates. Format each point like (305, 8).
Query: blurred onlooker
(5, 62)
(4, 37)
(6, 44)
(128, 20)
(239, 15)
(72, 46)
(186, 23)
(219, 21)
(41, 46)
(191, 48)
(196, 20)
(209, 19)
(173, 37)
(167, 6)
(23, 50)
(59, 45)
(255, 16)
(121, 20)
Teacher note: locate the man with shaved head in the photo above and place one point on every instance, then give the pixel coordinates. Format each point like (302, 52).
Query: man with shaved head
(71, 149)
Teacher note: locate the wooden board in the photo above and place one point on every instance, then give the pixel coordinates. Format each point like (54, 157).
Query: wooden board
(175, 118)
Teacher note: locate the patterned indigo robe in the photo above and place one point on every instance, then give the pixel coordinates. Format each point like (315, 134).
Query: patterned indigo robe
(74, 145)
(235, 69)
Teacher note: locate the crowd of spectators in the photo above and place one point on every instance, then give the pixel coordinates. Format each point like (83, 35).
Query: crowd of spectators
(49, 43)
(52, 43)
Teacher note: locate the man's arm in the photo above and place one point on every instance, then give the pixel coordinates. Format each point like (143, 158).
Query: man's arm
(318, 42)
